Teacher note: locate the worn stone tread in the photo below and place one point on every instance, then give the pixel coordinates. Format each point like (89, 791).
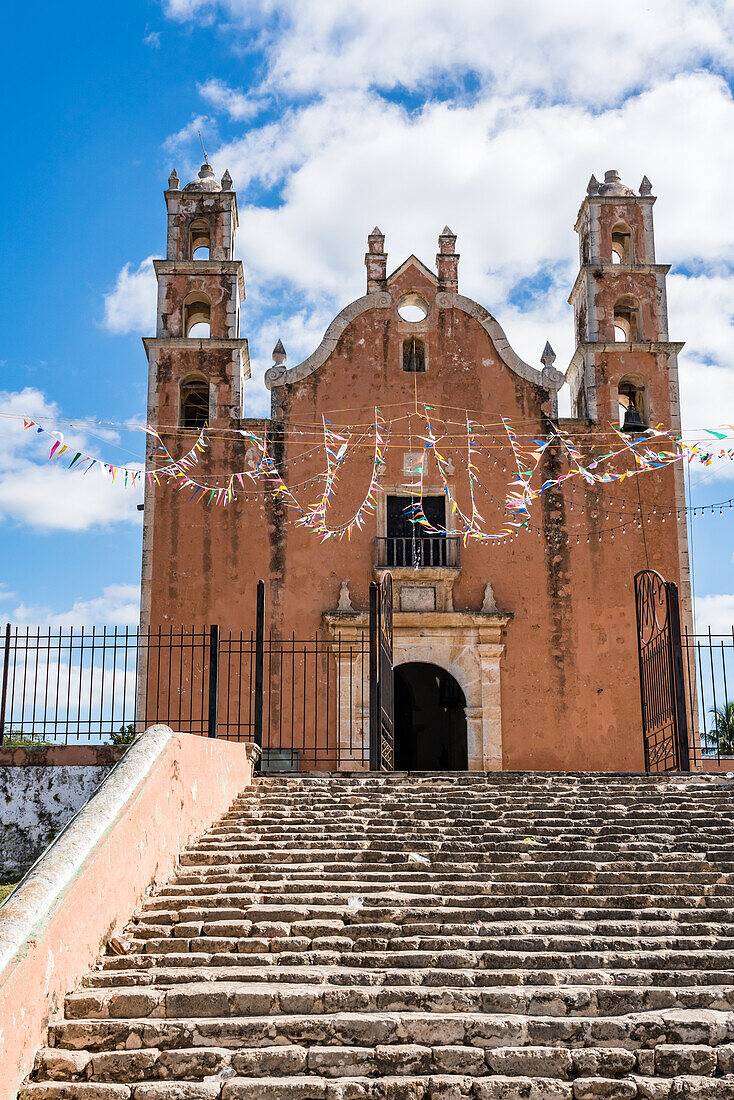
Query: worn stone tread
(502, 937)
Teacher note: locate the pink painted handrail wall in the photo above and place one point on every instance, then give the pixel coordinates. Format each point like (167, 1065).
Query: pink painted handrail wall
(168, 789)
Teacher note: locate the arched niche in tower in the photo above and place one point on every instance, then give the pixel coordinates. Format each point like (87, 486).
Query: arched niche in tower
(199, 239)
(193, 401)
(622, 244)
(197, 311)
(414, 355)
(627, 320)
(632, 396)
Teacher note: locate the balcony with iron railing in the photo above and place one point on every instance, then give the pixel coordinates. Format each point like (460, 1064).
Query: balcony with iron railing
(423, 552)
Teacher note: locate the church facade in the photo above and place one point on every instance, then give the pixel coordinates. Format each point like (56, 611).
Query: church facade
(514, 650)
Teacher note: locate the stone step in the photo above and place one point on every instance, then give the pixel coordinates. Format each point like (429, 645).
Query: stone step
(537, 863)
(380, 1060)
(641, 931)
(569, 813)
(213, 898)
(202, 952)
(237, 998)
(643, 1030)
(402, 909)
(170, 970)
(503, 846)
(482, 941)
(407, 1087)
(222, 882)
(569, 937)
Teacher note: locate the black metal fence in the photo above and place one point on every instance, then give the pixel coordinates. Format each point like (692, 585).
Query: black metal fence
(305, 701)
(709, 664)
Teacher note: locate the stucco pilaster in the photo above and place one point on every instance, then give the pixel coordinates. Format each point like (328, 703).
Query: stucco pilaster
(490, 654)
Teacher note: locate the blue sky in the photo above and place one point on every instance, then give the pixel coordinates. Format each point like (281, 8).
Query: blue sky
(331, 118)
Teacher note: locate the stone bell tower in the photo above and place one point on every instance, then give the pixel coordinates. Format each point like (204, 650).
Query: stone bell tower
(198, 363)
(624, 369)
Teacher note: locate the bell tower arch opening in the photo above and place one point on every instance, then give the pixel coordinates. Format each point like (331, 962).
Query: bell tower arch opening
(430, 719)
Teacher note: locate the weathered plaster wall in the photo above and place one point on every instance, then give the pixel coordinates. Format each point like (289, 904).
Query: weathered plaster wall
(36, 801)
(570, 656)
(565, 670)
(168, 789)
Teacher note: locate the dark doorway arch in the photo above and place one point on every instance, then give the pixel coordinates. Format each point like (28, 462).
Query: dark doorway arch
(430, 720)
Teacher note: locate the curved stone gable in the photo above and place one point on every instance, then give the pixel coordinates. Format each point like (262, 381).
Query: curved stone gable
(548, 378)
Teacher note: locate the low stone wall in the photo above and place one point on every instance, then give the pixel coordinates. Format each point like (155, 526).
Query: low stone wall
(40, 790)
(167, 789)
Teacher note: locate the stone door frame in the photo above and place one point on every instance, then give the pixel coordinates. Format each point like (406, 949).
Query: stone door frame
(467, 644)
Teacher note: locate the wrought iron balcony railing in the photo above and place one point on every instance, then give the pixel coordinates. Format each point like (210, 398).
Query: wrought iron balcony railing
(418, 552)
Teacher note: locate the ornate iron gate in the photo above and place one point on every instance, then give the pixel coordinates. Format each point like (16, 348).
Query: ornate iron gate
(662, 685)
(381, 676)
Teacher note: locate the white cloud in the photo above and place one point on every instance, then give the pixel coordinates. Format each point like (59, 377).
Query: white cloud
(131, 304)
(412, 172)
(577, 50)
(715, 612)
(234, 103)
(153, 39)
(182, 137)
(301, 331)
(47, 496)
(119, 605)
(506, 167)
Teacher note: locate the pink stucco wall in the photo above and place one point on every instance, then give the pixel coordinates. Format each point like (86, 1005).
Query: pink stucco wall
(190, 784)
(726, 764)
(79, 755)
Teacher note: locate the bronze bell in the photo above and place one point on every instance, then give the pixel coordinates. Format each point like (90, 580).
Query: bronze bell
(632, 419)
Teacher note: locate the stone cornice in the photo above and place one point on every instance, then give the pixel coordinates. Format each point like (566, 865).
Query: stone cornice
(151, 343)
(487, 626)
(615, 269)
(613, 200)
(203, 267)
(651, 347)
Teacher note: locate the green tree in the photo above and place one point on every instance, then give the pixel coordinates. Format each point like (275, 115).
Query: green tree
(125, 735)
(721, 734)
(16, 739)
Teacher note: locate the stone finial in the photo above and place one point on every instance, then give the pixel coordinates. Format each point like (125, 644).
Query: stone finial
(592, 187)
(226, 181)
(447, 262)
(613, 185)
(376, 261)
(173, 181)
(645, 186)
(345, 600)
(376, 241)
(548, 357)
(489, 603)
(279, 355)
(205, 180)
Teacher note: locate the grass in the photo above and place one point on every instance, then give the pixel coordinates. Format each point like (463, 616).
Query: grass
(5, 888)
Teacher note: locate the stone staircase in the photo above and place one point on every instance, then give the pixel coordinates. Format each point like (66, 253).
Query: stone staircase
(504, 937)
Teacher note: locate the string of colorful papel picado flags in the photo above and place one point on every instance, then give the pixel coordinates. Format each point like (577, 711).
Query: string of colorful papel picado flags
(625, 456)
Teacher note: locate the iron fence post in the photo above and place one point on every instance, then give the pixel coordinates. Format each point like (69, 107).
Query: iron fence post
(679, 701)
(4, 695)
(259, 662)
(374, 686)
(213, 679)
